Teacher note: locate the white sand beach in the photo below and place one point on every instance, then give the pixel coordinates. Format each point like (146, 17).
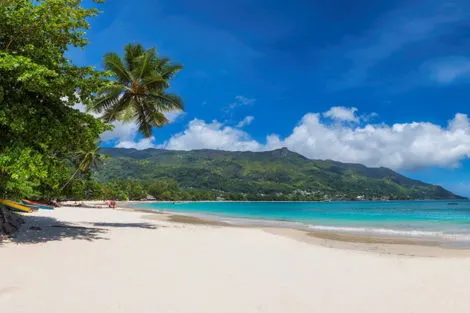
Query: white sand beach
(103, 260)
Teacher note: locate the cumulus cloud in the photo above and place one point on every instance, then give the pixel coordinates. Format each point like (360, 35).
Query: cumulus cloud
(398, 146)
(126, 133)
(213, 135)
(342, 114)
(121, 132)
(174, 116)
(246, 121)
(348, 115)
(141, 144)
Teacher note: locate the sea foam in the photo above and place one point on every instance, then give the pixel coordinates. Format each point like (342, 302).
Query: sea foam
(392, 232)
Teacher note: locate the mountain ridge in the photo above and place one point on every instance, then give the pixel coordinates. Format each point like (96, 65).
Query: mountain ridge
(276, 172)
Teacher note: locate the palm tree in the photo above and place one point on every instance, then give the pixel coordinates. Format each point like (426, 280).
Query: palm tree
(138, 91)
(85, 160)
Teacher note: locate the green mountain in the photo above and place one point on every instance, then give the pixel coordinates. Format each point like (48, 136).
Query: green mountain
(279, 172)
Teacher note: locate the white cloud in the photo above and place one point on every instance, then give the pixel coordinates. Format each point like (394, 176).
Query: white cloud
(342, 114)
(121, 132)
(246, 121)
(174, 116)
(368, 117)
(240, 101)
(398, 146)
(126, 133)
(82, 108)
(141, 144)
(214, 135)
(448, 70)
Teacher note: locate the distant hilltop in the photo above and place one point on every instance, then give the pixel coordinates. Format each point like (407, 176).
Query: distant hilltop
(277, 174)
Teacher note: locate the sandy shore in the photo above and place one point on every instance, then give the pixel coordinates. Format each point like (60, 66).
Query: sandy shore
(103, 260)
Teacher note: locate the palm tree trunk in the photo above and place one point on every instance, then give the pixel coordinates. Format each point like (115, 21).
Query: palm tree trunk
(70, 179)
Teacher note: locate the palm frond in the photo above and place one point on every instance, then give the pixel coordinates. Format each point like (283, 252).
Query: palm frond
(161, 63)
(107, 97)
(127, 115)
(113, 63)
(159, 119)
(131, 53)
(155, 83)
(143, 117)
(169, 71)
(113, 112)
(166, 102)
(145, 63)
(140, 93)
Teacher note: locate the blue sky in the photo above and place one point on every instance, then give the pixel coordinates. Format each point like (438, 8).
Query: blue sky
(383, 83)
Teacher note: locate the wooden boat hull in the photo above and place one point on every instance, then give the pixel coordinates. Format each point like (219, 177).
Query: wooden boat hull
(15, 206)
(38, 205)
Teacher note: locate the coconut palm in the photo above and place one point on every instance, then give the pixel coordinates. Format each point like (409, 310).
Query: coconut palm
(85, 160)
(138, 91)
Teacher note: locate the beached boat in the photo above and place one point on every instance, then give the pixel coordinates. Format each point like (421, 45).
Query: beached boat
(38, 205)
(15, 206)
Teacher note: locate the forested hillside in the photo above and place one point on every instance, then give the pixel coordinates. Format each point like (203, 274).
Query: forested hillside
(278, 174)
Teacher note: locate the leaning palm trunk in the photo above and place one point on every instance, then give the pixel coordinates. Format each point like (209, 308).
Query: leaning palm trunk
(88, 160)
(70, 179)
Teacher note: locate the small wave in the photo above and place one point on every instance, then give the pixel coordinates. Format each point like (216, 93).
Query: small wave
(393, 232)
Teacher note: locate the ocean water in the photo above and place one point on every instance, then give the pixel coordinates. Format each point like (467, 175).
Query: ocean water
(447, 221)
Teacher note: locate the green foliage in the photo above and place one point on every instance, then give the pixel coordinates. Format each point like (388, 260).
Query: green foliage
(272, 175)
(163, 189)
(26, 168)
(39, 130)
(138, 89)
(83, 162)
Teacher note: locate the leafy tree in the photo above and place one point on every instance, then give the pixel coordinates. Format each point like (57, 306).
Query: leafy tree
(138, 90)
(134, 190)
(40, 131)
(163, 189)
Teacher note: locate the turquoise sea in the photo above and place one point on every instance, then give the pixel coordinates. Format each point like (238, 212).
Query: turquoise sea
(440, 220)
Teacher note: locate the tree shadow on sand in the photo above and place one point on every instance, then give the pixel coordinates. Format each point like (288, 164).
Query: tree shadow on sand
(127, 225)
(39, 229)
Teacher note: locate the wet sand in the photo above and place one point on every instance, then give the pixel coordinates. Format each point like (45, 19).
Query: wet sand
(374, 244)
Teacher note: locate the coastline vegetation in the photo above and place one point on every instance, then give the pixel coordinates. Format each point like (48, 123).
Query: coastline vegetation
(40, 131)
(169, 190)
(47, 145)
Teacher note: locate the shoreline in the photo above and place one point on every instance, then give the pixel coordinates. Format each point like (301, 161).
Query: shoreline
(289, 201)
(388, 245)
(374, 243)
